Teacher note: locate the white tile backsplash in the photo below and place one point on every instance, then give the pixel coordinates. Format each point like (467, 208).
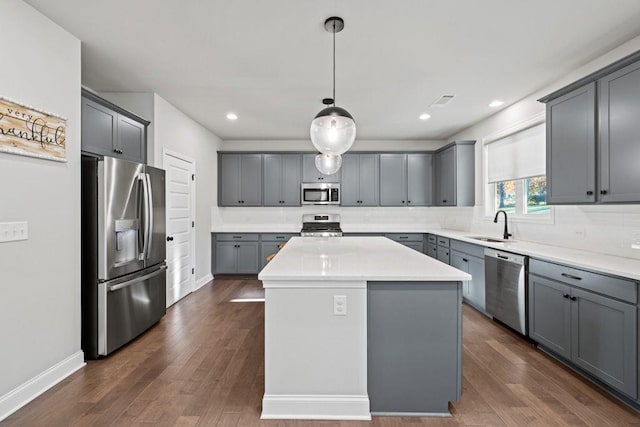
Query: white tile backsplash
(613, 230)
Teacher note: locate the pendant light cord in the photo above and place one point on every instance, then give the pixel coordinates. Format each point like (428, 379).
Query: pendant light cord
(334, 62)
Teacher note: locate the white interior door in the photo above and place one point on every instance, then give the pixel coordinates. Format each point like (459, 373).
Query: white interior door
(180, 187)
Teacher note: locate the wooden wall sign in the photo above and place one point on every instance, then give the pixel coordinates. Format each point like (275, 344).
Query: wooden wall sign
(28, 131)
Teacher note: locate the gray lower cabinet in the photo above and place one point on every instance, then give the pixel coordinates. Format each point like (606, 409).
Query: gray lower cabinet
(571, 147)
(473, 291)
(235, 253)
(282, 176)
(454, 174)
(107, 132)
(311, 174)
(240, 180)
(359, 180)
(411, 240)
(432, 250)
(237, 257)
(550, 314)
(414, 342)
(270, 244)
(619, 136)
(406, 179)
(470, 259)
(593, 331)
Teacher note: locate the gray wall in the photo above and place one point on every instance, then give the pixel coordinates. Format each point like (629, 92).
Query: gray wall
(40, 277)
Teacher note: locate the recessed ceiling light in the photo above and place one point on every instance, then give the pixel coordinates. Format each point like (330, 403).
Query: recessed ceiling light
(232, 116)
(424, 116)
(496, 103)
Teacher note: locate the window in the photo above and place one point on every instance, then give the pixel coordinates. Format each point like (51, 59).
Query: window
(515, 166)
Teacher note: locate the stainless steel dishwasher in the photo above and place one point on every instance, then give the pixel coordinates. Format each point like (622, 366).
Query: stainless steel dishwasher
(506, 292)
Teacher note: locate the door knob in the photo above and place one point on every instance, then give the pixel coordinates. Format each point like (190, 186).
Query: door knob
(169, 238)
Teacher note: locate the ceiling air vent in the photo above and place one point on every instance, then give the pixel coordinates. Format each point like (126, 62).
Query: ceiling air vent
(442, 101)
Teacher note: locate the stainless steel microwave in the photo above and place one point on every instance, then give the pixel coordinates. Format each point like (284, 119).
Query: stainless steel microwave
(313, 193)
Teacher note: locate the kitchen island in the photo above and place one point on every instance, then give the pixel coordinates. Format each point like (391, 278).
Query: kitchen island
(356, 326)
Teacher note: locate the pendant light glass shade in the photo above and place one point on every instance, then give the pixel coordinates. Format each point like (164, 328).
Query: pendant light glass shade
(328, 164)
(333, 131)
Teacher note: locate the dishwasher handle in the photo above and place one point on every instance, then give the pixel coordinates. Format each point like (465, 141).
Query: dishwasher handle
(505, 256)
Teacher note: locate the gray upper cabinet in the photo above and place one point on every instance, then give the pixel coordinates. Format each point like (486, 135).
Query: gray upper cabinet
(571, 147)
(393, 181)
(108, 131)
(419, 179)
(454, 174)
(593, 140)
(360, 179)
(240, 182)
(131, 139)
(406, 179)
(619, 109)
(311, 174)
(99, 128)
(282, 177)
(445, 172)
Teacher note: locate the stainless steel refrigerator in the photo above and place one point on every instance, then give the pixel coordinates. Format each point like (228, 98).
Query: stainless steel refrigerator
(123, 252)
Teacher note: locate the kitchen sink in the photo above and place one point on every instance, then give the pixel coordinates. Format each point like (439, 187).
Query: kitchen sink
(490, 239)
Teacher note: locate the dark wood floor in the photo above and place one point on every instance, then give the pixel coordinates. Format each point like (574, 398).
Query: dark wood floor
(203, 365)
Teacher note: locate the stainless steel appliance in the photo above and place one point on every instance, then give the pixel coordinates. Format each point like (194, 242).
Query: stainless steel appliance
(123, 252)
(320, 194)
(321, 225)
(506, 292)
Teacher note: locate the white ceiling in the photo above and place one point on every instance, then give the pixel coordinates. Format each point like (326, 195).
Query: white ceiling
(270, 61)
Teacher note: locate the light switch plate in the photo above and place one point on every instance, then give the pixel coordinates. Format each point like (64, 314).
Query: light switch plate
(14, 231)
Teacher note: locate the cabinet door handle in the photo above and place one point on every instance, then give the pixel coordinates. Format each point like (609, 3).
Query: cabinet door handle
(589, 193)
(169, 238)
(403, 237)
(444, 201)
(408, 201)
(573, 298)
(603, 192)
(403, 202)
(566, 296)
(237, 237)
(570, 276)
(465, 260)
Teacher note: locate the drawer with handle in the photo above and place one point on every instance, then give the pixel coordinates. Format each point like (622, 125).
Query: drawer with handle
(615, 287)
(407, 237)
(237, 237)
(443, 241)
(277, 237)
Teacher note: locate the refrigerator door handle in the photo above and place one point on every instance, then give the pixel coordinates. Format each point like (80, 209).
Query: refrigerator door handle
(150, 224)
(122, 285)
(145, 212)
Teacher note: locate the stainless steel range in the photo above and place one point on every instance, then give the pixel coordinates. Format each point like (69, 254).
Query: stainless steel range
(321, 225)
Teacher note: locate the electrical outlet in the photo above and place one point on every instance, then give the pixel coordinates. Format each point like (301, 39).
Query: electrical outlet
(339, 305)
(14, 231)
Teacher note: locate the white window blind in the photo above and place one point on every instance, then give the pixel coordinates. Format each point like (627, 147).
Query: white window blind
(517, 156)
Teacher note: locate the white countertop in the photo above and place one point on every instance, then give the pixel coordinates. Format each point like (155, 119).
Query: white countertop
(614, 265)
(608, 264)
(355, 258)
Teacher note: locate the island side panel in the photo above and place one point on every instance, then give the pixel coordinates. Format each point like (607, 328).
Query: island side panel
(315, 361)
(414, 347)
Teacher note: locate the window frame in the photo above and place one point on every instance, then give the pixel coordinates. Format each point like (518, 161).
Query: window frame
(489, 188)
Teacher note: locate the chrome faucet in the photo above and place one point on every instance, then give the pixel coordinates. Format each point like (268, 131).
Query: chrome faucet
(506, 229)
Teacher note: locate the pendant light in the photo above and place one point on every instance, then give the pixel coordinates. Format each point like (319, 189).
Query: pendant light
(328, 164)
(333, 130)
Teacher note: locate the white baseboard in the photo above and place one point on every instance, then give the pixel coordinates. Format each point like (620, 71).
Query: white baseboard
(315, 407)
(203, 281)
(25, 393)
